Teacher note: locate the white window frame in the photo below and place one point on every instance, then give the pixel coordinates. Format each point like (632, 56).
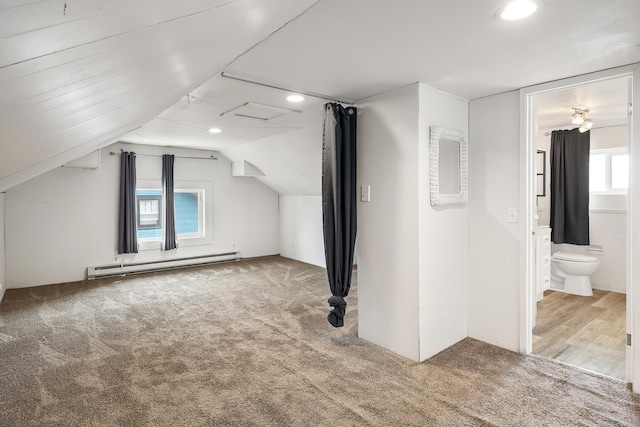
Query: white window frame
(608, 152)
(205, 206)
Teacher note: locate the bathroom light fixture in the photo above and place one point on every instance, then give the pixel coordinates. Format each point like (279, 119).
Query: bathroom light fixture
(579, 117)
(518, 9)
(585, 126)
(215, 130)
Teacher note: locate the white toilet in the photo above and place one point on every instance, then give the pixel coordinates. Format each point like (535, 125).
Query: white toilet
(570, 273)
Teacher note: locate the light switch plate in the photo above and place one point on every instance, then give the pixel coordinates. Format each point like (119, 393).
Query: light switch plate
(365, 193)
(512, 215)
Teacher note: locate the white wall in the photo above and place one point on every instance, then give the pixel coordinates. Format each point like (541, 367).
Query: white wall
(388, 293)
(301, 236)
(3, 286)
(609, 137)
(494, 244)
(609, 230)
(290, 161)
(443, 247)
(412, 258)
(64, 221)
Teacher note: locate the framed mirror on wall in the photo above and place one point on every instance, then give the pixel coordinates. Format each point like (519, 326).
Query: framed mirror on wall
(448, 166)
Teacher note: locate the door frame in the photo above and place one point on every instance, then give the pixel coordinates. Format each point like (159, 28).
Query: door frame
(527, 207)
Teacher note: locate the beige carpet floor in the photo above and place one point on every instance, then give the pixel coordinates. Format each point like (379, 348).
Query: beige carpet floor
(247, 344)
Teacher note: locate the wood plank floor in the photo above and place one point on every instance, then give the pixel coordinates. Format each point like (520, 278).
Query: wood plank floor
(588, 332)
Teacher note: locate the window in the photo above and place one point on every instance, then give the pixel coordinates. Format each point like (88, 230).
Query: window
(189, 213)
(619, 171)
(609, 171)
(149, 213)
(189, 205)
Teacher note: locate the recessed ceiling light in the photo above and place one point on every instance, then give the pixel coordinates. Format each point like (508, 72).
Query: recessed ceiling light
(215, 130)
(295, 98)
(519, 9)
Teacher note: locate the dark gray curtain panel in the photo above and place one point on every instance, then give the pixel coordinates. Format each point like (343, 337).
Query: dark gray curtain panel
(127, 218)
(570, 186)
(339, 203)
(170, 240)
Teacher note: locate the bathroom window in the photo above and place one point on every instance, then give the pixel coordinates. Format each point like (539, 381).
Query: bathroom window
(609, 171)
(619, 171)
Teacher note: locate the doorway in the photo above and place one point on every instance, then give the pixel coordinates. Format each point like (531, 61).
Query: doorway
(535, 119)
(587, 332)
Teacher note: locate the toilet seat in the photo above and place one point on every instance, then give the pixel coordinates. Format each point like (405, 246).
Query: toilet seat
(565, 256)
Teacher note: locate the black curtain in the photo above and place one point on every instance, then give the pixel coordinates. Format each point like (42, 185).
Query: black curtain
(169, 236)
(339, 203)
(127, 221)
(570, 186)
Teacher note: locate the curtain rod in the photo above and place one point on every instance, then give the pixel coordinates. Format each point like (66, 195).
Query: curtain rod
(212, 157)
(312, 94)
(595, 127)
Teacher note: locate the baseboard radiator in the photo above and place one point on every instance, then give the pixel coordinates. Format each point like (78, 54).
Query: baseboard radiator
(123, 269)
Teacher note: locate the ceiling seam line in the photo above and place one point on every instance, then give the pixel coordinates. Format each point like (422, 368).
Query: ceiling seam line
(117, 35)
(295, 18)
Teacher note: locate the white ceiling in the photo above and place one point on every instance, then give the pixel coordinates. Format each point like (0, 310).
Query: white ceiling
(77, 75)
(607, 102)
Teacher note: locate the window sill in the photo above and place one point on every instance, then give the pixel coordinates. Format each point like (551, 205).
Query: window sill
(156, 244)
(149, 245)
(608, 211)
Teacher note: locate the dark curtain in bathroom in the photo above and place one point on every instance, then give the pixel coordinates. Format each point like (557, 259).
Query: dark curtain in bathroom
(339, 203)
(570, 186)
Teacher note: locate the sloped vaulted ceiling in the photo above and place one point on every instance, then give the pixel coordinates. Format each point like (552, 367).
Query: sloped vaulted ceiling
(76, 75)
